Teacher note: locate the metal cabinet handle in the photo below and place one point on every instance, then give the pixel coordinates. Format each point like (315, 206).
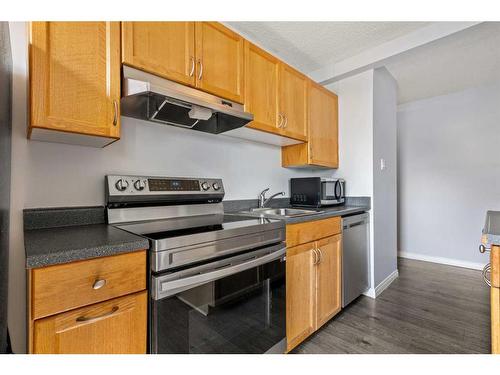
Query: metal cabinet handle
(115, 116)
(99, 283)
(486, 271)
(286, 121)
(200, 75)
(320, 256)
(90, 319)
(281, 118)
(316, 257)
(483, 249)
(192, 66)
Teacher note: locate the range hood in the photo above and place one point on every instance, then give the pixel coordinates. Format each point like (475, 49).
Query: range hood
(149, 97)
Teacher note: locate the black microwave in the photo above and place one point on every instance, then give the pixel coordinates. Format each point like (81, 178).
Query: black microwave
(316, 191)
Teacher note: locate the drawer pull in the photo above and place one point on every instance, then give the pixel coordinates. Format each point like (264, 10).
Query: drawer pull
(99, 283)
(483, 249)
(115, 113)
(90, 319)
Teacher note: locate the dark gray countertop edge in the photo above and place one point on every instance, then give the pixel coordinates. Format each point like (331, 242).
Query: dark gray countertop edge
(74, 255)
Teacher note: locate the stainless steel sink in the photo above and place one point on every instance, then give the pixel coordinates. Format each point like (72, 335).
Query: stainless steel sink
(281, 212)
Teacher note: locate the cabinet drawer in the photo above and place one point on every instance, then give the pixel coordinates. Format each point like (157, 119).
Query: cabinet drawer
(300, 233)
(117, 326)
(67, 286)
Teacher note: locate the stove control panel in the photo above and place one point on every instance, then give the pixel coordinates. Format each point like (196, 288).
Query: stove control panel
(156, 186)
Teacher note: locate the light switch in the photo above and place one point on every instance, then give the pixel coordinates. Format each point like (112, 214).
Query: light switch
(382, 164)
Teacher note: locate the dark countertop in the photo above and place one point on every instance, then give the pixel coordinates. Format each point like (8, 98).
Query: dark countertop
(327, 212)
(63, 235)
(491, 229)
(76, 234)
(49, 246)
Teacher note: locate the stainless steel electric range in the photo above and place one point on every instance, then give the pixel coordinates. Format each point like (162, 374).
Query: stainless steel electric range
(216, 281)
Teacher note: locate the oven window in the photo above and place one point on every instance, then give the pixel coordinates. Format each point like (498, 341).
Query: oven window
(241, 313)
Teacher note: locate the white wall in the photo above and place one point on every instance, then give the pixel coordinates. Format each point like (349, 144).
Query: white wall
(356, 132)
(449, 174)
(385, 94)
(367, 133)
(50, 174)
(356, 143)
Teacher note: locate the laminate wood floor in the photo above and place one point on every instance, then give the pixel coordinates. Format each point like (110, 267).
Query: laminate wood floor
(429, 308)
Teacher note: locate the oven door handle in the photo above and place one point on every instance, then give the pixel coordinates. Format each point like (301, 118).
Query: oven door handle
(162, 289)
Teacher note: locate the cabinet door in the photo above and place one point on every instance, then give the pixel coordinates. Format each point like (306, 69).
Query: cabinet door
(162, 48)
(261, 88)
(495, 299)
(328, 279)
(219, 54)
(293, 102)
(75, 77)
(323, 127)
(300, 293)
(117, 326)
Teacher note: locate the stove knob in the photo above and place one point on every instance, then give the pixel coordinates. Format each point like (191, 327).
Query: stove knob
(216, 186)
(121, 185)
(139, 185)
(205, 186)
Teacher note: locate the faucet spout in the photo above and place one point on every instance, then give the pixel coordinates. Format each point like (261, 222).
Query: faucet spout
(266, 201)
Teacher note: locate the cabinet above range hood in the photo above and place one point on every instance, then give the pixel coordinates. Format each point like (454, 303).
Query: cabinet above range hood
(152, 98)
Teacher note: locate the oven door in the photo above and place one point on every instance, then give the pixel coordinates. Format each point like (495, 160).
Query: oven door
(233, 305)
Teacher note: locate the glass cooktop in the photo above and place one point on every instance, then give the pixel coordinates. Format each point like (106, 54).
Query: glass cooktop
(192, 225)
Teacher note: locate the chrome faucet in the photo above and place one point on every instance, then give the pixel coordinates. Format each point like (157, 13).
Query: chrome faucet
(262, 197)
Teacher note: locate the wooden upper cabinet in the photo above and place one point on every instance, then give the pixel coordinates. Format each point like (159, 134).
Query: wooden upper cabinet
(321, 149)
(323, 127)
(328, 279)
(75, 82)
(219, 57)
(162, 48)
(261, 88)
(117, 326)
(300, 293)
(293, 102)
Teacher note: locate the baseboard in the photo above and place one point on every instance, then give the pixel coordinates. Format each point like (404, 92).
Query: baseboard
(441, 260)
(377, 291)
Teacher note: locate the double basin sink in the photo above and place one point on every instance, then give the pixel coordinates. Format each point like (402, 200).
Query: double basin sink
(279, 212)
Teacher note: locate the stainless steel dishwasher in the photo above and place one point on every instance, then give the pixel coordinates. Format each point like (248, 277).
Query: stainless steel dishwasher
(355, 256)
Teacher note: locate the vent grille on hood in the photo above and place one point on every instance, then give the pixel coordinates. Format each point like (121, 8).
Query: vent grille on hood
(148, 97)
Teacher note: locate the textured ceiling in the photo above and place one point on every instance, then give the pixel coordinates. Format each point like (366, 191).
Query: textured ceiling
(311, 45)
(466, 59)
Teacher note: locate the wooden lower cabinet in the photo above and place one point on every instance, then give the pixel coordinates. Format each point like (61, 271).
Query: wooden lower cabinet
(328, 279)
(313, 287)
(300, 293)
(495, 299)
(117, 326)
(94, 306)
